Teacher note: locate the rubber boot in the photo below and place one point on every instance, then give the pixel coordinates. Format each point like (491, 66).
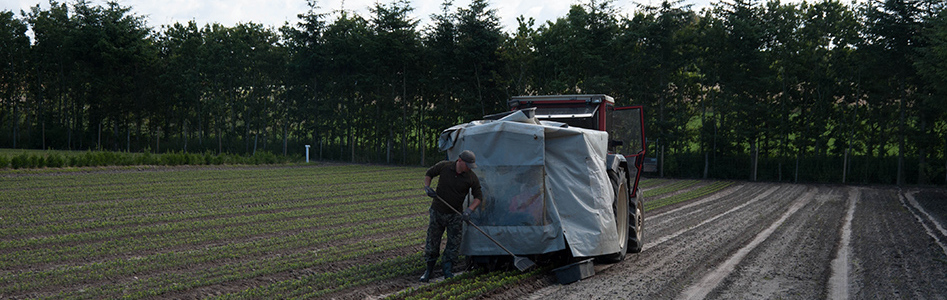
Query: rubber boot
(428, 273)
(447, 270)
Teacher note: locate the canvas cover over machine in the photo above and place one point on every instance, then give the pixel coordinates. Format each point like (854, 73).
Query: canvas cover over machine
(544, 184)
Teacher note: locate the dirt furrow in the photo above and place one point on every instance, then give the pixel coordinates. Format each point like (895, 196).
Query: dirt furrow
(684, 219)
(892, 257)
(664, 270)
(931, 225)
(790, 263)
(766, 241)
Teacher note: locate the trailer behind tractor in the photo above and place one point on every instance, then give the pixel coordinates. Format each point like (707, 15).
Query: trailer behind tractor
(559, 175)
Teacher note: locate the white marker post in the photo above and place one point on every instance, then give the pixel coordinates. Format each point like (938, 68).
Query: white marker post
(307, 153)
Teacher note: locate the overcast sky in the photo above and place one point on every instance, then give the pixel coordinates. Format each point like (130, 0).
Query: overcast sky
(276, 12)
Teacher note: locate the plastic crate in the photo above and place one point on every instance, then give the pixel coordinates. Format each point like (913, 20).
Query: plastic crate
(574, 272)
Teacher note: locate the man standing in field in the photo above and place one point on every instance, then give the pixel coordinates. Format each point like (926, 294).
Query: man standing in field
(456, 180)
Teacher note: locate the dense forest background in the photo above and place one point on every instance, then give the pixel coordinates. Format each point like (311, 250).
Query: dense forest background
(817, 92)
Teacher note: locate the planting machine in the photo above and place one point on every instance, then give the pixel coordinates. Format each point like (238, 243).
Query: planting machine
(559, 176)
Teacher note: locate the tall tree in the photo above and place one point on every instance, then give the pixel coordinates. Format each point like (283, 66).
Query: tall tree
(182, 77)
(114, 53)
(439, 92)
(826, 69)
(743, 77)
(52, 56)
(396, 52)
(260, 80)
(14, 63)
(479, 38)
(305, 77)
(519, 58)
(667, 76)
(745, 84)
(931, 65)
(894, 31)
(347, 81)
(783, 51)
(575, 53)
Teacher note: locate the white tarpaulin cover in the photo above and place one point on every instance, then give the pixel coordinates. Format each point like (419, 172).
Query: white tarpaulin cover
(543, 184)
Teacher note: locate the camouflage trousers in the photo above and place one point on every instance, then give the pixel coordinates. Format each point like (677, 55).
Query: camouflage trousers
(440, 222)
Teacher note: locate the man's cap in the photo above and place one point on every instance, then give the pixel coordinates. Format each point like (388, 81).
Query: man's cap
(468, 157)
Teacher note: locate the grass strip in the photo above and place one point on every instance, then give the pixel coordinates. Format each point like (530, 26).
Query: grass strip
(647, 183)
(692, 194)
(676, 186)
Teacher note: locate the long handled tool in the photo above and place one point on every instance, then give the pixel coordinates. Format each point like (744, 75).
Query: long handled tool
(521, 263)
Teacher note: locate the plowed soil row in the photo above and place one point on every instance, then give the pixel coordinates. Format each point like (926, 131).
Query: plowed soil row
(208, 275)
(746, 241)
(766, 241)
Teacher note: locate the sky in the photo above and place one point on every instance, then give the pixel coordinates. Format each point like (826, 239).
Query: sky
(277, 12)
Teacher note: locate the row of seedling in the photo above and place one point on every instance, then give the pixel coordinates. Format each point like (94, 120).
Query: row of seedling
(133, 239)
(688, 195)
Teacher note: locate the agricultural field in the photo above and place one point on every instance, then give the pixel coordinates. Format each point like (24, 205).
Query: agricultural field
(357, 231)
(36, 160)
(191, 232)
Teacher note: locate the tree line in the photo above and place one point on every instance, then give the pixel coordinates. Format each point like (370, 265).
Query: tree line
(822, 91)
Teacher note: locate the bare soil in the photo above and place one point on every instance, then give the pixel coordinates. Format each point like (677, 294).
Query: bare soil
(747, 241)
(766, 241)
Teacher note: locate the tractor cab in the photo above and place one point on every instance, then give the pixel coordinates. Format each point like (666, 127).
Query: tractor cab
(625, 125)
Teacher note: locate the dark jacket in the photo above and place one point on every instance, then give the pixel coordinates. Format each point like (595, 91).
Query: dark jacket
(453, 187)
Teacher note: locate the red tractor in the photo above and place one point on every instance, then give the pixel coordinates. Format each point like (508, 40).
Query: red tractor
(559, 173)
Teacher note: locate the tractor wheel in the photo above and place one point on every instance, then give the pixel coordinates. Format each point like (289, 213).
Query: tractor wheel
(636, 227)
(624, 211)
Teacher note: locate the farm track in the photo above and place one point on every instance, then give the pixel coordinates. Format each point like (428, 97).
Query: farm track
(765, 241)
(895, 258)
(356, 232)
